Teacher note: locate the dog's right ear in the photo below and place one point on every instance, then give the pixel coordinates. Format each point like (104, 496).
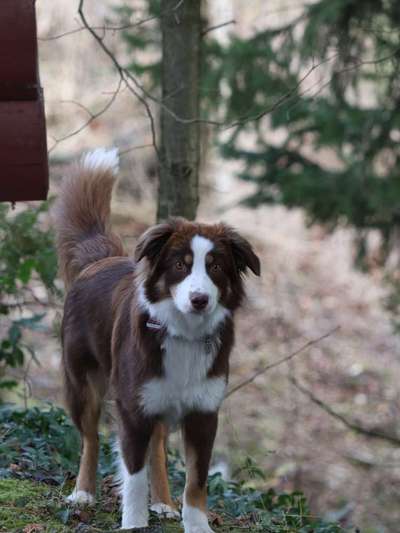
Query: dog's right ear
(152, 241)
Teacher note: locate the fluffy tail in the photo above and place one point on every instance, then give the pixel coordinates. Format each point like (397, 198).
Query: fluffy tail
(82, 214)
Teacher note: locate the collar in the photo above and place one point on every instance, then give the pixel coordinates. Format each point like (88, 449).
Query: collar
(156, 325)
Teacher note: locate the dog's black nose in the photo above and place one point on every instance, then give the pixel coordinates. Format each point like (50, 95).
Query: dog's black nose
(199, 301)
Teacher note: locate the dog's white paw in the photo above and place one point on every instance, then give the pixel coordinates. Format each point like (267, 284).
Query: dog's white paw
(81, 497)
(165, 510)
(195, 521)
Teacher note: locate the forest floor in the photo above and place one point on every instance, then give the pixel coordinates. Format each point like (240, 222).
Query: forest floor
(34, 507)
(39, 451)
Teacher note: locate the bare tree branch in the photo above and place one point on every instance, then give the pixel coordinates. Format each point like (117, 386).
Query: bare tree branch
(285, 359)
(92, 117)
(78, 104)
(139, 91)
(143, 93)
(133, 148)
(125, 75)
(354, 426)
(103, 28)
(217, 27)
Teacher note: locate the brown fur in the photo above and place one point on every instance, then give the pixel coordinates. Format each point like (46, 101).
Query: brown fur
(199, 430)
(81, 216)
(90, 442)
(158, 466)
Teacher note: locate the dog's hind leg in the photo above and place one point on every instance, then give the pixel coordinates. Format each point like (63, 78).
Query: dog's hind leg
(161, 501)
(84, 404)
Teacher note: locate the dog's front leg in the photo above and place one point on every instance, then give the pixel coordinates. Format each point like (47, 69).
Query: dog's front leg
(134, 441)
(199, 431)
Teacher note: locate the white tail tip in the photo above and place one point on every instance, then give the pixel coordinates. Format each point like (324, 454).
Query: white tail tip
(101, 158)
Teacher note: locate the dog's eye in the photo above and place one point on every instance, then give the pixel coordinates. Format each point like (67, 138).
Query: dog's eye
(215, 267)
(180, 265)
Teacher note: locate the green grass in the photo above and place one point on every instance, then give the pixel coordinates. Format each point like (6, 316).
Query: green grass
(24, 502)
(38, 457)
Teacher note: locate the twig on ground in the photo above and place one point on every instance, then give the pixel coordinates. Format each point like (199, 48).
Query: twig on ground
(372, 433)
(285, 359)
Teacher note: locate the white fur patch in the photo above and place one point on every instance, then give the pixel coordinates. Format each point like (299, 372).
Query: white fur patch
(187, 355)
(80, 497)
(162, 509)
(135, 495)
(194, 520)
(101, 158)
(198, 280)
(185, 385)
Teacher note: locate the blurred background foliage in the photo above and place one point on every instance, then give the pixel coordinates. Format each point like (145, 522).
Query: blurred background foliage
(342, 47)
(26, 253)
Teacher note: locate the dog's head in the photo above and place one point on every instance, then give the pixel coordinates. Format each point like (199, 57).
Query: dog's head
(197, 267)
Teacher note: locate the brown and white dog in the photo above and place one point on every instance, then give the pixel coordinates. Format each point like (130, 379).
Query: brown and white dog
(158, 329)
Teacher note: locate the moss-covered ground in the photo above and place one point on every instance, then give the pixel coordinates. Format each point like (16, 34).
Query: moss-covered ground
(32, 507)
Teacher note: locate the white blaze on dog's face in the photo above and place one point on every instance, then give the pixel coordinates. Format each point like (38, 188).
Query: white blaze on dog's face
(196, 293)
(192, 277)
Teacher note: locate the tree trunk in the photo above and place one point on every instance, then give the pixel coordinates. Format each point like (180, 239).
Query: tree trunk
(180, 142)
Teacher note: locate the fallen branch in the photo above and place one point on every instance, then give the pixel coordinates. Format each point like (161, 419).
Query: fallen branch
(372, 433)
(285, 359)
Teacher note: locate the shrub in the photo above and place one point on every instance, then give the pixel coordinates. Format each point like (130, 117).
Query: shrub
(26, 254)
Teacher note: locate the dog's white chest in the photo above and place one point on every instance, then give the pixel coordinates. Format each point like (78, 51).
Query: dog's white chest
(185, 386)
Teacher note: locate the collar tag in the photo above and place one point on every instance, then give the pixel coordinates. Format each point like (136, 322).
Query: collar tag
(153, 324)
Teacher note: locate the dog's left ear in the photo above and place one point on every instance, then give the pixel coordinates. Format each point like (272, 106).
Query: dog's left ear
(152, 241)
(242, 252)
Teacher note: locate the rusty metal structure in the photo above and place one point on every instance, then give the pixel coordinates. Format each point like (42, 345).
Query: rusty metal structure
(23, 148)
